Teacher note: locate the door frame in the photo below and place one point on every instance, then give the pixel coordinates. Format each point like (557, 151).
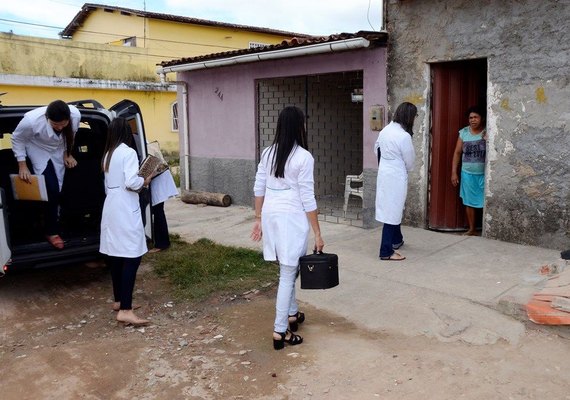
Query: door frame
(466, 85)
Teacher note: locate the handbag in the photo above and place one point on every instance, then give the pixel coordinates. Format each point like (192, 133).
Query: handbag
(319, 270)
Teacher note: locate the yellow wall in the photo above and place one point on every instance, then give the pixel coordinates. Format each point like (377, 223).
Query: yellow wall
(106, 27)
(176, 40)
(167, 40)
(152, 104)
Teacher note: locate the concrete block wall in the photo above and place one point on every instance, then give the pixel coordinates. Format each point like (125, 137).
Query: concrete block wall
(334, 123)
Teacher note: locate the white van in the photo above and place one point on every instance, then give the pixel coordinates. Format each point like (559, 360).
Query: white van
(22, 243)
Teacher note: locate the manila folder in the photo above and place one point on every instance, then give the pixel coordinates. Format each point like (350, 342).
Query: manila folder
(29, 191)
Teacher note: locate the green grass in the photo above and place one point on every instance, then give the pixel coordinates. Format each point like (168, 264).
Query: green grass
(202, 269)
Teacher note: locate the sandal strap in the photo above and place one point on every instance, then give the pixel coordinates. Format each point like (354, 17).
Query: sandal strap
(293, 339)
(299, 317)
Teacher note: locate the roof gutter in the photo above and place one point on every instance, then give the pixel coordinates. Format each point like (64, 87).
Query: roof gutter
(320, 48)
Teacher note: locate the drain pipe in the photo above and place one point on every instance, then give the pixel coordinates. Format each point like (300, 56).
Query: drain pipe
(183, 137)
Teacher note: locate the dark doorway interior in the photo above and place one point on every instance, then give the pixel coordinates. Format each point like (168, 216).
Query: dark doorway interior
(455, 86)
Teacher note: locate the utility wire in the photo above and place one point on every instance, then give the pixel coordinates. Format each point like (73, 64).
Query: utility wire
(29, 23)
(64, 47)
(119, 36)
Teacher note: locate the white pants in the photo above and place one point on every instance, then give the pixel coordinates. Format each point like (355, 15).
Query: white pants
(286, 303)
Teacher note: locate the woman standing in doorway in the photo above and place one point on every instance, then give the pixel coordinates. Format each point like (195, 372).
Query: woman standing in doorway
(397, 158)
(471, 151)
(123, 238)
(285, 207)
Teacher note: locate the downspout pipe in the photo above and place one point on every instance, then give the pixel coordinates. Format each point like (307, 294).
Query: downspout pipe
(183, 137)
(320, 48)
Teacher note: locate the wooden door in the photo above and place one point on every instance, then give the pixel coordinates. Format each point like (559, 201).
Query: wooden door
(455, 87)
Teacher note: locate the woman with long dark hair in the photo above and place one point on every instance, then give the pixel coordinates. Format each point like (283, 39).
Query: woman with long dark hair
(397, 157)
(45, 135)
(285, 210)
(123, 239)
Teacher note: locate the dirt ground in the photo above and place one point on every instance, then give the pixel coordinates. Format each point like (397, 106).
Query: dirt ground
(59, 340)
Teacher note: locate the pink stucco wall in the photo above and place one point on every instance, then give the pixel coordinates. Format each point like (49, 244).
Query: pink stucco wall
(222, 100)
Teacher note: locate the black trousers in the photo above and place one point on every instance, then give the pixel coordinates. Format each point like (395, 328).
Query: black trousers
(160, 227)
(123, 273)
(51, 209)
(391, 235)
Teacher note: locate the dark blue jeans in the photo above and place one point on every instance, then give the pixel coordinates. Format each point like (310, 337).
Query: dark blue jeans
(160, 227)
(391, 235)
(52, 206)
(124, 273)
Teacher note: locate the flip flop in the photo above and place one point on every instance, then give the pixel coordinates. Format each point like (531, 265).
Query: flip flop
(154, 250)
(394, 257)
(56, 241)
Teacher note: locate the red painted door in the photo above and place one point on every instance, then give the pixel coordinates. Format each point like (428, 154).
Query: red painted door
(455, 87)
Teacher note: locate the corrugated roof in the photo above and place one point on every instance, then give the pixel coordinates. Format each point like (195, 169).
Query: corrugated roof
(87, 8)
(376, 39)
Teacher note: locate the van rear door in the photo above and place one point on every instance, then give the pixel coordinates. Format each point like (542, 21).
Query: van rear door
(5, 252)
(132, 113)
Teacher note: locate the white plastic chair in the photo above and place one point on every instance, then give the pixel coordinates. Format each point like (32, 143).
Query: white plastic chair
(354, 191)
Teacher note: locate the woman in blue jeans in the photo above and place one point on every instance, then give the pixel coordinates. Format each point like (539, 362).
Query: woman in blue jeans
(397, 157)
(285, 210)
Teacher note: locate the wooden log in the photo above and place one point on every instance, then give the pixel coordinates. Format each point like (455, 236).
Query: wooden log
(212, 199)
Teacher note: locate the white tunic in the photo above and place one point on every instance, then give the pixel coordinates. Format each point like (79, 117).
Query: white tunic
(122, 230)
(35, 138)
(285, 225)
(162, 187)
(397, 159)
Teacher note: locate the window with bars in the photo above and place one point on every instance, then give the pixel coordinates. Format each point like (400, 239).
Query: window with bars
(174, 116)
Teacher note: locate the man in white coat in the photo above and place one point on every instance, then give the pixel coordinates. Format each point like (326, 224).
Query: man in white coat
(397, 158)
(45, 135)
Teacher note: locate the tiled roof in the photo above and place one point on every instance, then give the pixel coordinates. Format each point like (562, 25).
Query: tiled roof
(376, 39)
(87, 8)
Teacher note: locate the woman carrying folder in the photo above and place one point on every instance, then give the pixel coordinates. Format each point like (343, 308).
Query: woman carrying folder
(123, 239)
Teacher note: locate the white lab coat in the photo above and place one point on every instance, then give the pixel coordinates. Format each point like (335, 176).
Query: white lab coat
(397, 159)
(162, 187)
(122, 230)
(284, 221)
(35, 138)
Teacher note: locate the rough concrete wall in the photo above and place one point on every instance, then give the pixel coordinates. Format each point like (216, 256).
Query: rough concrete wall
(228, 176)
(527, 48)
(25, 55)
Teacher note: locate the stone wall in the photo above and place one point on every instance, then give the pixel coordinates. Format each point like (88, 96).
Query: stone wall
(526, 46)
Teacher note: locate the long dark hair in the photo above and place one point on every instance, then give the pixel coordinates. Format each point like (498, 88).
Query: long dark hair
(58, 111)
(405, 115)
(290, 133)
(119, 132)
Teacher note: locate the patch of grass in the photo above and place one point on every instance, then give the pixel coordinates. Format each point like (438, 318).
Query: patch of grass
(201, 269)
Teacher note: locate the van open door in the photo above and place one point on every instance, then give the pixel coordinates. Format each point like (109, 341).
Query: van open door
(5, 252)
(132, 113)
